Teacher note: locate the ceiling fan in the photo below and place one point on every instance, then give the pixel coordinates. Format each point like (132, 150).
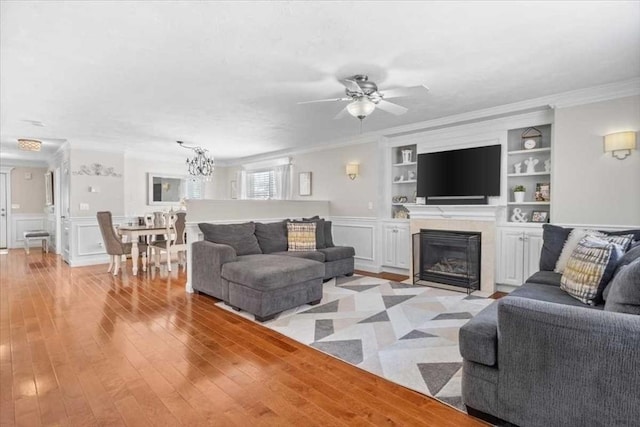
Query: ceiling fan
(364, 97)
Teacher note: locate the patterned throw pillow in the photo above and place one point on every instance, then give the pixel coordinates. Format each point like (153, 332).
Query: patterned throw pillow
(590, 268)
(577, 234)
(301, 236)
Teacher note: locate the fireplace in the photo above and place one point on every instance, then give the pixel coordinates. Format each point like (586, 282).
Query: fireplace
(447, 257)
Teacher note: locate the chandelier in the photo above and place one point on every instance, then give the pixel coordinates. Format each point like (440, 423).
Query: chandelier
(200, 166)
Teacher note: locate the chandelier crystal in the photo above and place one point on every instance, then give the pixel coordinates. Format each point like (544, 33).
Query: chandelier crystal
(201, 166)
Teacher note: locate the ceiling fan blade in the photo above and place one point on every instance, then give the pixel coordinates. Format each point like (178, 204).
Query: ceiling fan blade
(325, 100)
(403, 91)
(392, 108)
(352, 85)
(341, 114)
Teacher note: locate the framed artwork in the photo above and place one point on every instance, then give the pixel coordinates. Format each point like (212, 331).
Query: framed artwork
(48, 188)
(543, 192)
(233, 190)
(540, 216)
(304, 183)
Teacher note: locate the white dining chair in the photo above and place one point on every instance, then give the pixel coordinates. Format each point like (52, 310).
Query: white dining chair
(175, 242)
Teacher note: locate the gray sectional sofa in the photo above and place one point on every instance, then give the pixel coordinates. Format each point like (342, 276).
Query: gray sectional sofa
(540, 357)
(249, 267)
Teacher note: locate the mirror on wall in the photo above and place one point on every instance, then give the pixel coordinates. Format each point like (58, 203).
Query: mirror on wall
(166, 189)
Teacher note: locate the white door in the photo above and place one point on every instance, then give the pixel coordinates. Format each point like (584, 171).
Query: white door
(511, 257)
(532, 250)
(403, 247)
(65, 222)
(389, 250)
(3, 210)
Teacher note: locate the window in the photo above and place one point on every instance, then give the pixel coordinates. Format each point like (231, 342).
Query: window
(261, 184)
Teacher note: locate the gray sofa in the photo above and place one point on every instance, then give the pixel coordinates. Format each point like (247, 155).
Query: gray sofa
(539, 357)
(249, 267)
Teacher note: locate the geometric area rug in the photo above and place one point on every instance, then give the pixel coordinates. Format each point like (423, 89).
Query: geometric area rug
(405, 333)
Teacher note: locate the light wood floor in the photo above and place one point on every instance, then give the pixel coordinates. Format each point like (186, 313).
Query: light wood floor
(80, 347)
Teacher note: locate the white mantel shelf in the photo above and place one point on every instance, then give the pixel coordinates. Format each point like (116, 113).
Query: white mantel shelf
(473, 212)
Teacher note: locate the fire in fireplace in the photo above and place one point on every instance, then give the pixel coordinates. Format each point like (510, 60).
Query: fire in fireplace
(447, 257)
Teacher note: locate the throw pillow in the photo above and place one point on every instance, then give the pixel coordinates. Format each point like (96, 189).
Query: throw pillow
(634, 231)
(240, 237)
(312, 218)
(320, 243)
(328, 236)
(576, 235)
(272, 237)
(589, 269)
(301, 236)
(628, 257)
(553, 240)
(625, 290)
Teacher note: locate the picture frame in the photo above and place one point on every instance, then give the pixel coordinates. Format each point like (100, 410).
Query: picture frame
(233, 189)
(539, 216)
(543, 192)
(304, 183)
(48, 188)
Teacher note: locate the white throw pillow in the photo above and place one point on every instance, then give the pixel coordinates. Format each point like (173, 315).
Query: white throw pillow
(570, 245)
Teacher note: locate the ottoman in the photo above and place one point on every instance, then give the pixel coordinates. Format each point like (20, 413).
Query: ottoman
(265, 285)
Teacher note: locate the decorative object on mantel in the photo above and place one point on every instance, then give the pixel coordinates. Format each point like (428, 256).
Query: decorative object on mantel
(531, 138)
(518, 215)
(620, 144)
(547, 165)
(406, 156)
(96, 169)
(399, 199)
(401, 214)
(518, 193)
(531, 164)
(29, 144)
(201, 166)
(518, 167)
(421, 200)
(540, 216)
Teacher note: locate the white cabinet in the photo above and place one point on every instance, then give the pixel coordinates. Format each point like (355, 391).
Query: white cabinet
(518, 254)
(396, 248)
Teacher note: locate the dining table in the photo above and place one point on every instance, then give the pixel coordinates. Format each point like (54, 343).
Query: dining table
(133, 232)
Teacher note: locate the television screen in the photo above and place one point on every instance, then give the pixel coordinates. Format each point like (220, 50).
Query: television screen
(459, 173)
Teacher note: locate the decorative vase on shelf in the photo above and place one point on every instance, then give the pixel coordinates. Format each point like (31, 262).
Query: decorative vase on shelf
(518, 196)
(406, 156)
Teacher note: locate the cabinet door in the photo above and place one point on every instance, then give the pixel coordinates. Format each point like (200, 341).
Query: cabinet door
(532, 250)
(403, 247)
(389, 249)
(511, 257)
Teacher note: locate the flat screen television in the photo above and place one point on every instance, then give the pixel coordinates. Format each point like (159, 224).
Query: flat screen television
(470, 172)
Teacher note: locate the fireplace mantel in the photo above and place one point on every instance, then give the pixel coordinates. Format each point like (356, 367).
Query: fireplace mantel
(466, 212)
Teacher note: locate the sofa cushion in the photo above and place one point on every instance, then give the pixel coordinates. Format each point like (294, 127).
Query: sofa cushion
(271, 271)
(479, 337)
(301, 236)
(624, 295)
(546, 278)
(553, 240)
(328, 236)
(313, 255)
(240, 237)
(590, 268)
(272, 237)
(337, 253)
(548, 293)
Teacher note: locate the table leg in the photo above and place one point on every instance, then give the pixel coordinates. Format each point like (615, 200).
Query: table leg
(134, 255)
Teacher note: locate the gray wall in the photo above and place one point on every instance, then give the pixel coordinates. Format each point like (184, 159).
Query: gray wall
(28, 193)
(589, 186)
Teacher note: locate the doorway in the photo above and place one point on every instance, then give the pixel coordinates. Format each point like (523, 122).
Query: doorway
(4, 201)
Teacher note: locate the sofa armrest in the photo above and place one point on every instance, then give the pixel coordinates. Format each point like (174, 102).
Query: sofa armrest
(582, 366)
(206, 266)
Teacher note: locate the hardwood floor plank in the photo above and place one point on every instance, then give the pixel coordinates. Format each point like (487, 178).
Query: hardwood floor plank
(81, 347)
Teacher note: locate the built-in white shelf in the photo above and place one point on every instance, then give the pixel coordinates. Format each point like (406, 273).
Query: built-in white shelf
(409, 181)
(530, 203)
(405, 164)
(534, 150)
(529, 174)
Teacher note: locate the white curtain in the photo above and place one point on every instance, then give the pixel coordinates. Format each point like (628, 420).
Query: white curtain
(282, 179)
(241, 182)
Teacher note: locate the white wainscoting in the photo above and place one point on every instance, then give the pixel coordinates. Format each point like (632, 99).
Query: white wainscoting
(86, 246)
(25, 222)
(361, 233)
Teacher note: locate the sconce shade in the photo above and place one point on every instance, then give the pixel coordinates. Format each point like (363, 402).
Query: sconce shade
(620, 144)
(352, 170)
(361, 107)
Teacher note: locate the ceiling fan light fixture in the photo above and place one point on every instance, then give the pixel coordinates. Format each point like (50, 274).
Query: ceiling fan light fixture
(361, 107)
(29, 144)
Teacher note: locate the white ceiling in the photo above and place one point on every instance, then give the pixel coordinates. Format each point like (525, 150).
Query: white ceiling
(228, 75)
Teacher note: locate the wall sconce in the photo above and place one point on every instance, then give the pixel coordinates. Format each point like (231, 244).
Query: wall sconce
(620, 144)
(352, 170)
